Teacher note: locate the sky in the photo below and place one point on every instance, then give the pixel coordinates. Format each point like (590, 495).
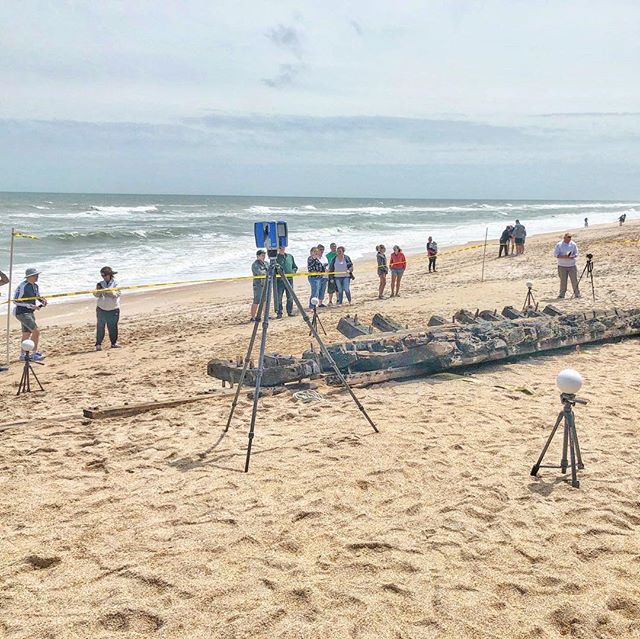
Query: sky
(438, 98)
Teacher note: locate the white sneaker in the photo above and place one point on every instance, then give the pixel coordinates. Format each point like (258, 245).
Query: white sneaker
(98, 347)
(37, 357)
(22, 357)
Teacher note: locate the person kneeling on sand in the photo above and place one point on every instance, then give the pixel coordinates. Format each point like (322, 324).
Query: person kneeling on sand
(567, 252)
(107, 308)
(27, 302)
(259, 271)
(3, 280)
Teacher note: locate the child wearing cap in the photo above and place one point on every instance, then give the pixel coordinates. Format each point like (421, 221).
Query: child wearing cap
(27, 302)
(107, 308)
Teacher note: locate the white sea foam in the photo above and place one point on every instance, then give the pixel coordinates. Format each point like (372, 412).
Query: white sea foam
(123, 209)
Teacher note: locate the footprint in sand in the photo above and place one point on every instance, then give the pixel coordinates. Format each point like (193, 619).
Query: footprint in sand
(129, 620)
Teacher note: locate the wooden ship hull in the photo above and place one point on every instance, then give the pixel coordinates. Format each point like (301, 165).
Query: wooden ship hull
(470, 340)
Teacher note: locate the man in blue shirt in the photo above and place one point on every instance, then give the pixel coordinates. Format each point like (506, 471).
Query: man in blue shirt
(28, 302)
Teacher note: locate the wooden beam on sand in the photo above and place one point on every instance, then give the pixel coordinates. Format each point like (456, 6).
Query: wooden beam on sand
(135, 409)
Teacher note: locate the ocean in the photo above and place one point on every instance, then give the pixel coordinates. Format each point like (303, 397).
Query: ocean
(160, 238)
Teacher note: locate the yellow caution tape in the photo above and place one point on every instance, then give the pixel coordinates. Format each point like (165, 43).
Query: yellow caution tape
(207, 281)
(25, 235)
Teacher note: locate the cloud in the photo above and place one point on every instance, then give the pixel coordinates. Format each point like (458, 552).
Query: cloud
(356, 27)
(287, 75)
(287, 38)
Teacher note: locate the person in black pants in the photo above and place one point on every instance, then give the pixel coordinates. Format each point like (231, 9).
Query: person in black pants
(107, 308)
(504, 242)
(432, 252)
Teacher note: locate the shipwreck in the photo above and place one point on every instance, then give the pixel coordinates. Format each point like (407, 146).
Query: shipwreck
(468, 339)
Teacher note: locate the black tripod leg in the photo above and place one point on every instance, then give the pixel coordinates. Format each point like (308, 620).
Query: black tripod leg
(247, 359)
(263, 343)
(536, 466)
(36, 378)
(574, 471)
(574, 433)
(21, 385)
(564, 462)
(593, 289)
(327, 355)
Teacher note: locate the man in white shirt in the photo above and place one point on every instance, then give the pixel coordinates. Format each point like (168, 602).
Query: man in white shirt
(567, 252)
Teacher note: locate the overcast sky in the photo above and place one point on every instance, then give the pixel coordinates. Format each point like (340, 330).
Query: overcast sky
(503, 98)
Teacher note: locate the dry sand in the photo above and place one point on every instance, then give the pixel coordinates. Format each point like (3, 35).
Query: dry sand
(432, 528)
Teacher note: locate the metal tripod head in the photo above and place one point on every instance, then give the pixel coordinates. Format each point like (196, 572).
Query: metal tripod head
(571, 399)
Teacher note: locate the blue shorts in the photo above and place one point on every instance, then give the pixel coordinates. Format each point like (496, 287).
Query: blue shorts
(397, 271)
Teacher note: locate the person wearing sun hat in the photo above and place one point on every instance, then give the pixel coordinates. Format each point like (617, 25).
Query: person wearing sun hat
(27, 301)
(107, 307)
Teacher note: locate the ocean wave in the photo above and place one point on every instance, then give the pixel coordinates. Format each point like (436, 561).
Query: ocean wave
(102, 235)
(123, 209)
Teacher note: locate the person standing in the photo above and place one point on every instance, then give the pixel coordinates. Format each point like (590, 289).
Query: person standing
(314, 266)
(342, 268)
(432, 252)
(259, 272)
(504, 241)
(288, 265)
(331, 286)
(398, 265)
(3, 280)
(324, 280)
(382, 269)
(107, 308)
(512, 242)
(566, 252)
(519, 234)
(586, 222)
(29, 291)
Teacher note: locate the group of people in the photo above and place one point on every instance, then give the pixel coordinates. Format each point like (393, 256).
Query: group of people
(329, 275)
(512, 239)
(28, 301)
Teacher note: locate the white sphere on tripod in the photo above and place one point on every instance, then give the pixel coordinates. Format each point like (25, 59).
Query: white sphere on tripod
(529, 284)
(315, 301)
(569, 381)
(28, 345)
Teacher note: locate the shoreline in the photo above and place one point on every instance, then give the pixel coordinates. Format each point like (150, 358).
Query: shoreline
(175, 297)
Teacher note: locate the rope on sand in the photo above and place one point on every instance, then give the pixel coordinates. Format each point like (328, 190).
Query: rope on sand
(306, 396)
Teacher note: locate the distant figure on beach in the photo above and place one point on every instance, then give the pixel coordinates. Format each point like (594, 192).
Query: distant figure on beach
(622, 219)
(288, 264)
(25, 311)
(258, 268)
(107, 308)
(566, 251)
(324, 280)
(504, 241)
(342, 268)
(398, 265)
(519, 235)
(3, 280)
(314, 265)
(432, 252)
(331, 287)
(586, 222)
(382, 269)
(512, 242)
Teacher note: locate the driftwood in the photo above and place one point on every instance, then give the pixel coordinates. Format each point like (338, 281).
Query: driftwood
(386, 324)
(410, 353)
(278, 370)
(351, 327)
(134, 409)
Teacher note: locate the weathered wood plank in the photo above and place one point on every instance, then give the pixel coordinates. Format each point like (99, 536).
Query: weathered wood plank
(134, 409)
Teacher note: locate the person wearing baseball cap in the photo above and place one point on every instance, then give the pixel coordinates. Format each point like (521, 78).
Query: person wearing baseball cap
(27, 301)
(107, 307)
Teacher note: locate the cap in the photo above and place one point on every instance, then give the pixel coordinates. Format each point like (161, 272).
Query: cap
(107, 270)
(31, 271)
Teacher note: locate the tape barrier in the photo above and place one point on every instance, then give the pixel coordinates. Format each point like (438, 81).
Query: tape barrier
(237, 278)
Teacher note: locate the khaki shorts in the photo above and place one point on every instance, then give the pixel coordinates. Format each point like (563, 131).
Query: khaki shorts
(28, 322)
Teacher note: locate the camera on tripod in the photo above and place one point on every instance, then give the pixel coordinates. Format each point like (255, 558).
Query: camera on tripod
(271, 236)
(589, 257)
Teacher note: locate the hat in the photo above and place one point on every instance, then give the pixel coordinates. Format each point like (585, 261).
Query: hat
(30, 272)
(107, 270)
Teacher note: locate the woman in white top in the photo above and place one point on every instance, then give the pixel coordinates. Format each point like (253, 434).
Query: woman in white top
(341, 268)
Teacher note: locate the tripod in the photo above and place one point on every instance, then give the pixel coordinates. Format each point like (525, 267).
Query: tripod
(529, 300)
(25, 381)
(269, 286)
(588, 269)
(315, 321)
(569, 441)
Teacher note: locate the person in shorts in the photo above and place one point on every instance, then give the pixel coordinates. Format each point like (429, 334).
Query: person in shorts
(397, 264)
(27, 301)
(519, 235)
(258, 268)
(3, 280)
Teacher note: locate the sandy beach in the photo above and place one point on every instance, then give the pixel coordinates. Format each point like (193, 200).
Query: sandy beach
(122, 527)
